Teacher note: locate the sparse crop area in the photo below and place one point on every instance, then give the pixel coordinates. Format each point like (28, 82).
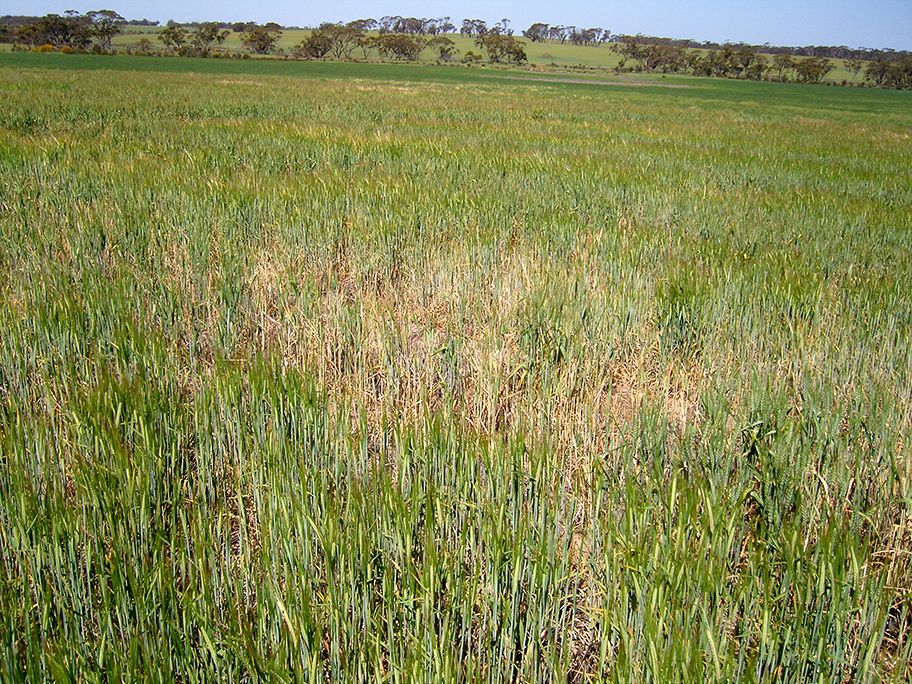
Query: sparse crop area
(356, 372)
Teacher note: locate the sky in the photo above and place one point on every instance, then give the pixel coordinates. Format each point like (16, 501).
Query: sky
(870, 23)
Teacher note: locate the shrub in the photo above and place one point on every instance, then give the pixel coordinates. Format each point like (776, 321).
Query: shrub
(260, 39)
(443, 47)
(316, 46)
(400, 46)
(502, 48)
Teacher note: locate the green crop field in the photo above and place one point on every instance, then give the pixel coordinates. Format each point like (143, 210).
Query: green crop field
(361, 372)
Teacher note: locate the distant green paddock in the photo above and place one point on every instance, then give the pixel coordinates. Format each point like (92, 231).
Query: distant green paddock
(711, 91)
(540, 54)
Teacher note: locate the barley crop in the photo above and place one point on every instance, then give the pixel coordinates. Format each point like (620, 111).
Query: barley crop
(357, 375)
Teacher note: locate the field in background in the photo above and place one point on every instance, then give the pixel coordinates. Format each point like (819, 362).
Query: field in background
(361, 371)
(539, 54)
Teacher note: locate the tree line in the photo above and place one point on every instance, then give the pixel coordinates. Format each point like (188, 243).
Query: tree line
(72, 31)
(10, 20)
(539, 33)
(830, 51)
(401, 38)
(745, 62)
(390, 38)
(342, 40)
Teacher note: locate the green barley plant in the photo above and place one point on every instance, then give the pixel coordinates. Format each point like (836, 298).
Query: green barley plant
(336, 372)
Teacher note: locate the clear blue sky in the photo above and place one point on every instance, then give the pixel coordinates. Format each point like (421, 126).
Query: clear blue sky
(856, 23)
